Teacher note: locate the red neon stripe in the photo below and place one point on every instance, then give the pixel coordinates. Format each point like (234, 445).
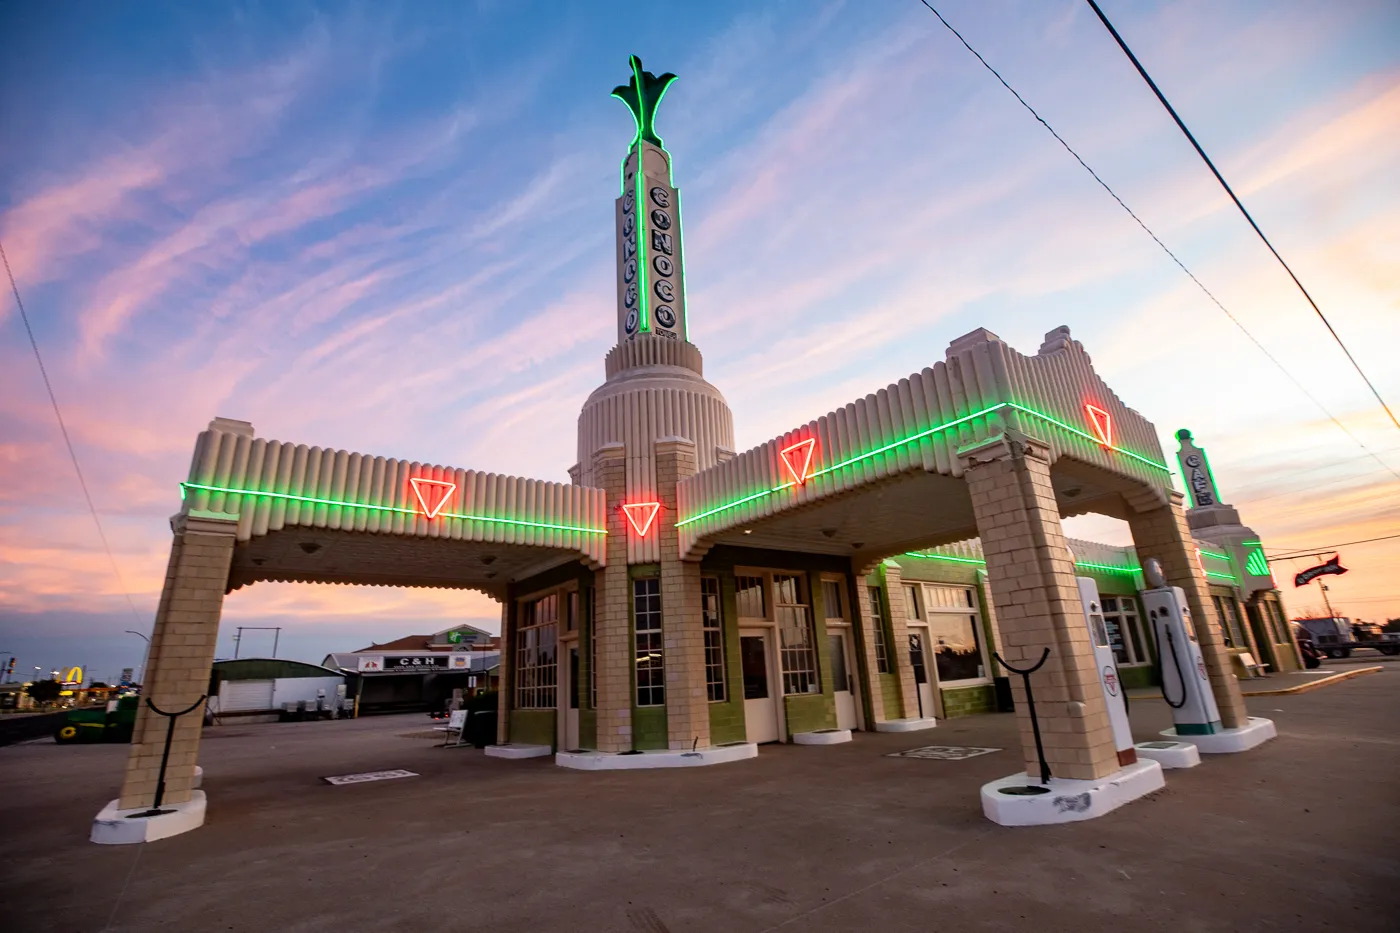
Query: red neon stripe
(801, 452)
(431, 511)
(645, 512)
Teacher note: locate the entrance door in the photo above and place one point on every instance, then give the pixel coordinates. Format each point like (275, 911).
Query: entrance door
(842, 686)
(760, 700)
(922, 685)
(571, 710)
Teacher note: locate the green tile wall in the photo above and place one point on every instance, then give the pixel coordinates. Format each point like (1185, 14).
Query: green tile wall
(964, 701)
(532, 727)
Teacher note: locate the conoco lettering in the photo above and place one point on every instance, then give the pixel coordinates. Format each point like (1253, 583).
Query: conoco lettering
(661, 220)
(661, 242)
(660, 197)
(662, 265)
(663, 290)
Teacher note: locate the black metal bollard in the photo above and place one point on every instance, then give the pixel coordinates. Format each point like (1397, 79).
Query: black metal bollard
(1030, 701)
(165, 758)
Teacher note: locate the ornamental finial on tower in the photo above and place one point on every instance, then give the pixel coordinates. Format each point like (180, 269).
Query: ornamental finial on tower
(642, 95)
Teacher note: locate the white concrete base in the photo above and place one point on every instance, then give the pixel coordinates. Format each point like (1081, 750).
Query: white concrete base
(824, 737)
(510, 750)
(1069, 801)
(612, 761)
(198, 776)
(113, 828)
(1227, 741)
(905, 725)
(1169, 754)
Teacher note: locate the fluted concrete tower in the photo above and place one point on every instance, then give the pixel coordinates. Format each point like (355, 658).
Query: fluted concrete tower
(654, 387)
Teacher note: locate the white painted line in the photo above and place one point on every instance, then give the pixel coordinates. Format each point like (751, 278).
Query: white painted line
(366, 776)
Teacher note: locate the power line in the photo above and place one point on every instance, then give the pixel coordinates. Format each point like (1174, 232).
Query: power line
(63, 429)
(1228, 190)
(1299, 553)
(1199, 284)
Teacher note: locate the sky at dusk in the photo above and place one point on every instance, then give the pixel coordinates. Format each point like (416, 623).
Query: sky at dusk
(388, 228)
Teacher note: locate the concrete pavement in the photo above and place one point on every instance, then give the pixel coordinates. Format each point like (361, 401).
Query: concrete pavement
(1300, 834)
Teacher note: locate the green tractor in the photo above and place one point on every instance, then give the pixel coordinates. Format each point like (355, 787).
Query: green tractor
(113, 724)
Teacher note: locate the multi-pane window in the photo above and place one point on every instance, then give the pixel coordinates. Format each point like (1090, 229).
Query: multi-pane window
(795, 636)
(1228, 612)
(1120, 617)
(1274, 614)
(748, 596)
(714, 639)
(956, 633)
(911, 602)
(646, 620)
(877, 624)
(592, 647)
(536, 665)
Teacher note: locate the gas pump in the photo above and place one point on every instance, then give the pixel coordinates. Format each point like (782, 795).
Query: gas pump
(1107, 667)
(1180, 666)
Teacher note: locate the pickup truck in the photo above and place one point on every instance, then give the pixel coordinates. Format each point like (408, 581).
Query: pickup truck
(1337, 637)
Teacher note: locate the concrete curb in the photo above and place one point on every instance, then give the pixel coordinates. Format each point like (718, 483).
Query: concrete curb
(1326, 681)
(1299, 688)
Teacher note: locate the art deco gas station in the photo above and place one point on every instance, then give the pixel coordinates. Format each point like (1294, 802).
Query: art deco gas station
(679, 603)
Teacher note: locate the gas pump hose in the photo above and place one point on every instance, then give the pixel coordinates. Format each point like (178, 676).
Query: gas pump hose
(1176, 662)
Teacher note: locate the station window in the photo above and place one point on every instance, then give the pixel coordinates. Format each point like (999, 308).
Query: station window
(956, 632)
(592, 647)
(536, 647)
(795, 635)
(714, 639)
(911, 602)
(651, 666)
(749, 597)
(877, 623)
(1120, 617)
(1227, 611)
(831, 598)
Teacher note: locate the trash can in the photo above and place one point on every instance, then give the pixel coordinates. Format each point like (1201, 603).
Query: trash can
(1005, 702)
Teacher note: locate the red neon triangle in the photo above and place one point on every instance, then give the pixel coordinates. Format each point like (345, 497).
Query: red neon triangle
(798, 459)
(1102, 423)
(641, 515)
(432, 494)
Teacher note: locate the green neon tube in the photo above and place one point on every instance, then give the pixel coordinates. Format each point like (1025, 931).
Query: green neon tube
(387, 508)
(1215, 555)
(1222, 576)
(909, 440)
(1111, 568)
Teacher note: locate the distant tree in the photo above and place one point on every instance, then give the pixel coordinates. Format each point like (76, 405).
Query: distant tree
(96, 683)
(44, 691)
(1392, 625)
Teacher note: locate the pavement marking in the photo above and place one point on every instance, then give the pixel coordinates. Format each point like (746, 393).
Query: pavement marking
(943, 752)
(366, 776)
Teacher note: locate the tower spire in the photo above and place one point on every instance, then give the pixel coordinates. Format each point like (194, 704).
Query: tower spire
(650, 275)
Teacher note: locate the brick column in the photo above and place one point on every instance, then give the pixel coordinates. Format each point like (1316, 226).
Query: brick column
(892, 579)
(181, 656)
(1031, 573)
(687, 702)
(1162, 533)
(614, 677)
(866, 618)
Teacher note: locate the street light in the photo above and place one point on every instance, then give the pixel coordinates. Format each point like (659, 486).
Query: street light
(145, 657)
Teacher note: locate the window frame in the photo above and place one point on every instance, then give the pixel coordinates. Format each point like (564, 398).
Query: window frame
(653, 637)
(878, 621)
(799, 664)
(1133, 640)
(712, 627)
(973, 612)
(537, 680)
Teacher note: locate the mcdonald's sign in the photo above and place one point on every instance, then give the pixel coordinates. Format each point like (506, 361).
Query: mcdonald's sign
(74, 676)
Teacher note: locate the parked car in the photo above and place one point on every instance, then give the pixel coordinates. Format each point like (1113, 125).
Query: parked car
(1336, 637)
(1312, 658)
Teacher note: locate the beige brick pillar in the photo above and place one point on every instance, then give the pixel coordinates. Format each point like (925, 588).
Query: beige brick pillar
(1031, 573)
(181, 656)
(614, 677)
(1162, 532)
(687, 702)
(892, 579)
(867, 617)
